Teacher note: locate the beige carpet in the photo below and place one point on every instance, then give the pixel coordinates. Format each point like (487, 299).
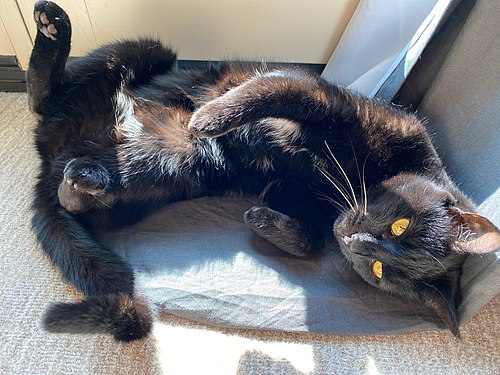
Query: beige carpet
(29, 282)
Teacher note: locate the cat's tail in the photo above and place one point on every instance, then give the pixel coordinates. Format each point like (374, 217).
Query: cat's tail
(126, 318)
(288, 94)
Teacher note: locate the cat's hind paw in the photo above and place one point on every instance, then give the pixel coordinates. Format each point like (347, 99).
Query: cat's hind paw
(50, 19)
(84, 186)
(86, 176)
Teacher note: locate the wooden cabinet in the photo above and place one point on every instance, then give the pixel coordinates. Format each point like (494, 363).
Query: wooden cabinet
(302, 31)
(6, 48)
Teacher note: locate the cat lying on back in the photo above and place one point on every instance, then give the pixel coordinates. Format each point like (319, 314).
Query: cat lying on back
(122, 132)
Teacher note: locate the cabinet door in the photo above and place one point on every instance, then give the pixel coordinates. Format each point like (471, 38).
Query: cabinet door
(6, 48)
(15, 38)
(302, 31)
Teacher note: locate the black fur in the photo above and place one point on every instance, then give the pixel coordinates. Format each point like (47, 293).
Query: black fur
(122, 132)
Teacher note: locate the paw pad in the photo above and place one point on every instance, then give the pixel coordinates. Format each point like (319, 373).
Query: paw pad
(50, 19)
(44, 25)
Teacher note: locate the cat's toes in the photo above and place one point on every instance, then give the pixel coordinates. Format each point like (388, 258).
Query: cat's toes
(212, 120)
(266, 219)
(50, 19)
(279, 229)
(76, 202)
(86, 176)
(85, 185)
(259, 217)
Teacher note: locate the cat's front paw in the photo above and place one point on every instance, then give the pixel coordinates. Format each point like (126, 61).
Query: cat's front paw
(51, 20)
(279, 229)
(210, 121)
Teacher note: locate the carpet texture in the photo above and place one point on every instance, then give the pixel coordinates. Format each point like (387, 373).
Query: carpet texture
(29, 283)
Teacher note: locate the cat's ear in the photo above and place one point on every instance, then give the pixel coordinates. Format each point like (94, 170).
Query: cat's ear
(475, 234)
(441, 299)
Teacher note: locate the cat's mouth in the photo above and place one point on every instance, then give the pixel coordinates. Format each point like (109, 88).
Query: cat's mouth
(359, 238)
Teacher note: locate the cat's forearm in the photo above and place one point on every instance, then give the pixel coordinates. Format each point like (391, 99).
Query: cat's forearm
(291, 95)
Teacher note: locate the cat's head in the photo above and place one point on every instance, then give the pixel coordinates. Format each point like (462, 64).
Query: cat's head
(411, 240)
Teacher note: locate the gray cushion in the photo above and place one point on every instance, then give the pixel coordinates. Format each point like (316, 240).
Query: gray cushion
(198, 260)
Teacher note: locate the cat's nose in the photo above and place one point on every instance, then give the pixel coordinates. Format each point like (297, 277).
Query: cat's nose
(359, 237)
(347, 240)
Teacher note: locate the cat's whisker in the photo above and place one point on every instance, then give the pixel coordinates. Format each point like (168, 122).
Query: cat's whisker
(363, 183)
(361, 178)
(338, 185)
(102, 202)
(343, 174)
(335, 204)
(410, 300)
(332, 201)
(357, 168)
(326, 196)
(345, 263)
(331, 179)
(341, 186)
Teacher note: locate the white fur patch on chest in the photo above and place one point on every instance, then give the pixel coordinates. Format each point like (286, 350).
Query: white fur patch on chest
(127, 125)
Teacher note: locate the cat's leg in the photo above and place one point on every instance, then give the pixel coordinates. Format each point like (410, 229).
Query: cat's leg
(49, 55)
(86, 184)
(111, 66)
(111, 302)
(292, 95)
(282, 231)
(292, 219)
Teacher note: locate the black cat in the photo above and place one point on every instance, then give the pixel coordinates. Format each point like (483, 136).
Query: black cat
(123, 131)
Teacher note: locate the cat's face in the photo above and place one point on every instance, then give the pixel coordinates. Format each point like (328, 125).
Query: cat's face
(403, 236)
(411, 240)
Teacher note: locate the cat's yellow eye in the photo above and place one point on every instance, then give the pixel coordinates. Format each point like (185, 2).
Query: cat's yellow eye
(399, 227)
(377, 269)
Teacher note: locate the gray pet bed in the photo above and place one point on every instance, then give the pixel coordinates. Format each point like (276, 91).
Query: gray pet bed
(198, 260)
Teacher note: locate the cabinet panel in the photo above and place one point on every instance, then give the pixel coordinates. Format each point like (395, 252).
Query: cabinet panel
(302, 31)
(5, 46)
(17, 33)
(278, 30)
